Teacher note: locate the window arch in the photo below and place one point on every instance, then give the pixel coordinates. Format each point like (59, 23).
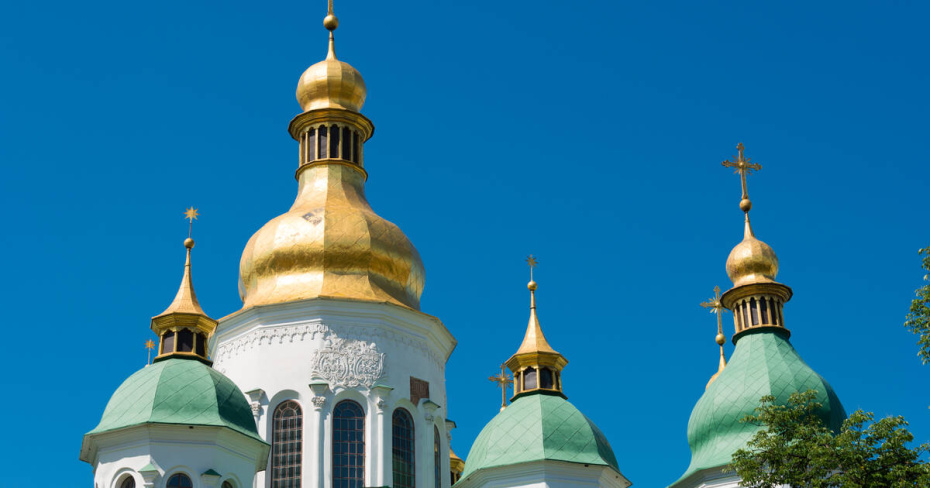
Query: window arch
(348, 445)
(286, 445)
(227, 484)
(179, 480)
(437, 459)
(403, 450)
(128, 482)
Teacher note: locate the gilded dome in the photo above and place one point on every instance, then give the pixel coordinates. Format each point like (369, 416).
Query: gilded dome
(330, 244)
(331, 84)
(752, 261)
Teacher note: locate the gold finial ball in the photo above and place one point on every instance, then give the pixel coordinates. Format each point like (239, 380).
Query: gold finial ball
(189, 243)
(330, 22)
(745, 205)
(721, 339)
(531, 286)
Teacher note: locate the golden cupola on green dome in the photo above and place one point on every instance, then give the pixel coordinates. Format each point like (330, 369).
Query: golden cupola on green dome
(764, 362)
(331, 244)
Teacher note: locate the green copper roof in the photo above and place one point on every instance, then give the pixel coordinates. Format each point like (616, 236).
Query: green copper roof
(763, 363)
(537, 427)
(178, 391)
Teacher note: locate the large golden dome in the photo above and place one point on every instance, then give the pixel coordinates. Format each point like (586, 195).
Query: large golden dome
(331, 84)
(752, 261)
(330, 244)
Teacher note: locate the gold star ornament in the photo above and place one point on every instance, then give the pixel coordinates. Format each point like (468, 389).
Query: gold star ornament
(191, 214)
(150, 344)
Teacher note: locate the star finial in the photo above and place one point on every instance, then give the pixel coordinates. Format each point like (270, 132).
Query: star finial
(191, 215)
(150, 344)
(716, 306)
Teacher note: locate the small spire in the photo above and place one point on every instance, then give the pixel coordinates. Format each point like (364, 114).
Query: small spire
(184, 318)
(533, 340)
(149, 344)
(716, 306)
(331, 22)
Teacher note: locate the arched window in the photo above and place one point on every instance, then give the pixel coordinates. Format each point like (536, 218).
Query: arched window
(286, 445)
(348, 445)
(764, 310)
(227, 484)
(529, 378)
(437, 459)
(545, 378)
(128, 482)
(179, 480)
(403, 450)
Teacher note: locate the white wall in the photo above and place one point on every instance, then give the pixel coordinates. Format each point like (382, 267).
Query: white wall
(274, 352)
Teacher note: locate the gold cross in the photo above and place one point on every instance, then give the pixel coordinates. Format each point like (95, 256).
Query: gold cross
(743, 167)
(716, 306)
(503, 380)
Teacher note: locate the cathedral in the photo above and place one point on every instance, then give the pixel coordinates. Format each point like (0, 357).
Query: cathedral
(331, 376)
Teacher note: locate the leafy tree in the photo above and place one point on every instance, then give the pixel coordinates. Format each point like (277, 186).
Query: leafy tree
(918, 320)
(794, 447)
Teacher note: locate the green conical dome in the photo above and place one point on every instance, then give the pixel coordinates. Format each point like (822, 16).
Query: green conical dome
(763, 363)
(535, 427)
(178, 391)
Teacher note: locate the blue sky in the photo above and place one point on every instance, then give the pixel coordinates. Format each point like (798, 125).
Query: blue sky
(589, 134)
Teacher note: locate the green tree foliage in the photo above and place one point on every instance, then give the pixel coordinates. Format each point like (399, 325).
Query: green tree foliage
(794, 447)
(918, 320)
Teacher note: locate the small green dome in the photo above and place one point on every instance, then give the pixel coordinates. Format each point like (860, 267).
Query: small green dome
(535, 427)
(178, 391)
(763, 363)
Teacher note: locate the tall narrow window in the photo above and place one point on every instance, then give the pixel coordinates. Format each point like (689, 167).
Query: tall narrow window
(167, 342)
(753, 311)
(334, 141)
(545, 378)
(739, 320)
(437, 459)
(744, 306)
(403, 449)
(185, 340)
(348, 445)
(286, 446)
(764, 310)
(781, 316)
(346, 144)
(179, 480)
(355, 147)
(775, 312)
(324, 143)
(529, 378)
(311, 145)
(201, 345)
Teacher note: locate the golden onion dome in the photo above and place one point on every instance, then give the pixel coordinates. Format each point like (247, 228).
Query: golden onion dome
(331, 83)
(330, 244)
(752, 261)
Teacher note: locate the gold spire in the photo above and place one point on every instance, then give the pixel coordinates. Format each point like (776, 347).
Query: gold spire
(503, 380)
(716, 306)
(331, 83)
(535, 365)
(756, 299)
(751, 261)
(184, 318)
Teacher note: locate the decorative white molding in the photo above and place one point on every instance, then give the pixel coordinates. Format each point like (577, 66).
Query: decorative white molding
(347, 363)
(318, 402)
(267, 335)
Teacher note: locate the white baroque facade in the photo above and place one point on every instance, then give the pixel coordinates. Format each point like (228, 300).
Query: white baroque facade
(321, 351)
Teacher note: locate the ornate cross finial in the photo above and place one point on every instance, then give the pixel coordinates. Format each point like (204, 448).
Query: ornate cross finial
(716, 306)
(503, 380)
(191, 215)
(743, 167)
(150, 344)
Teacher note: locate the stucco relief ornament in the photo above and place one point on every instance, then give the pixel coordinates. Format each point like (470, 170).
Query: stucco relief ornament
(318, 401)
(347, 363)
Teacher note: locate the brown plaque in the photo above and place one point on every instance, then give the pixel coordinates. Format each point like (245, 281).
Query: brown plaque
(418, 389)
